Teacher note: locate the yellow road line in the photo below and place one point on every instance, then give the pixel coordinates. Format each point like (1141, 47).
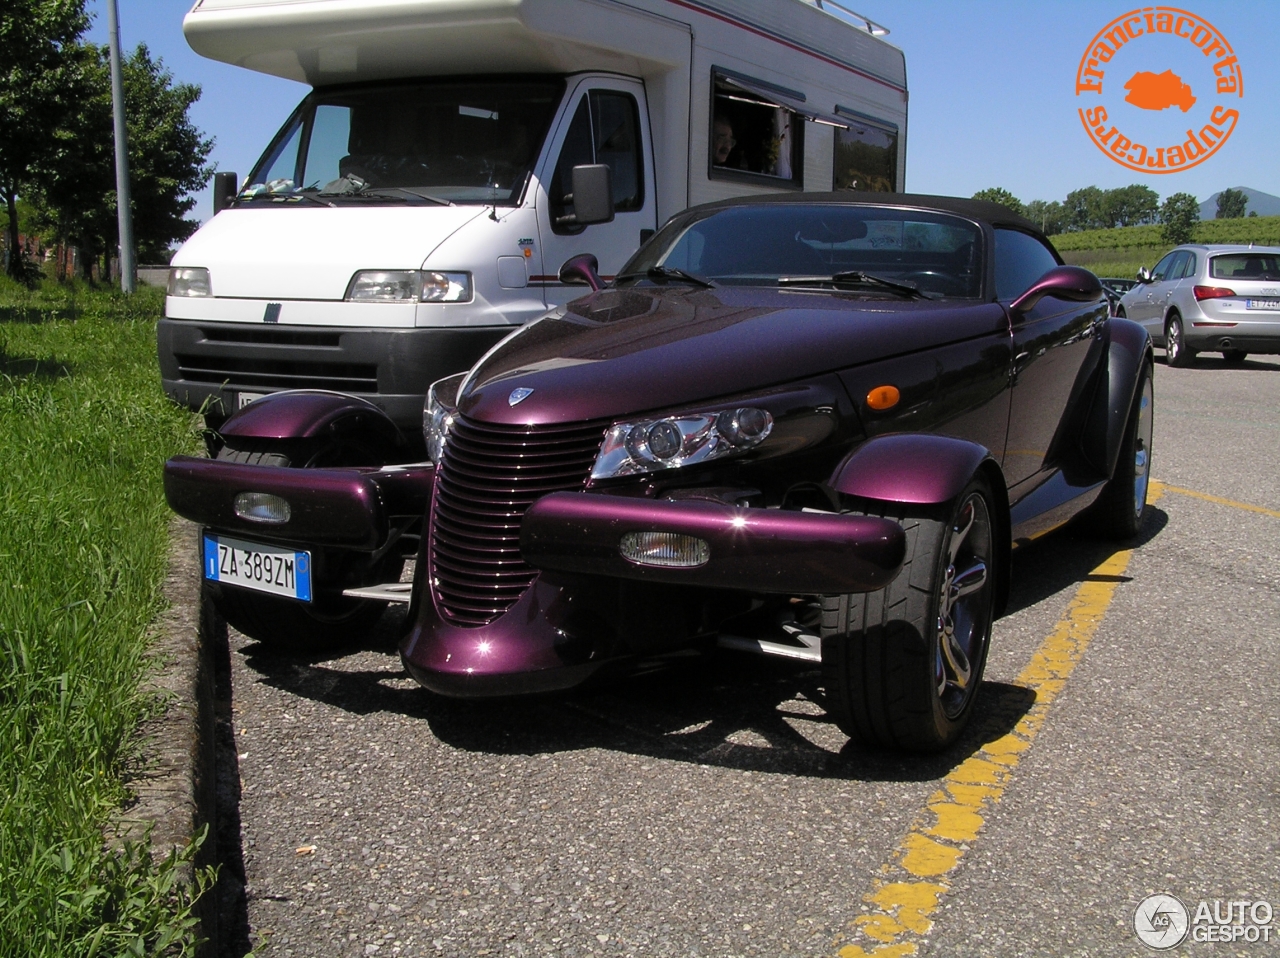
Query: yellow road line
(906, 897)
(1162, 487)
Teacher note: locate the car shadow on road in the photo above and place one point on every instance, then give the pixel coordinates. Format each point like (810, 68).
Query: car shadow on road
(1066, 558)
(718, 708)
(710, 708)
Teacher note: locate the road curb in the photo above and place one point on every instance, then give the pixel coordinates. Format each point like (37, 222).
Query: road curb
(176, 789)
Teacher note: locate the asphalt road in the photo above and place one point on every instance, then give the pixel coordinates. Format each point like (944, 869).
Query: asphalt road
(1126, 744)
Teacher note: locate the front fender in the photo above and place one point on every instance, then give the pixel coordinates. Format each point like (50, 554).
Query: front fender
(909, 468)
(310, 414)
(1128, 347)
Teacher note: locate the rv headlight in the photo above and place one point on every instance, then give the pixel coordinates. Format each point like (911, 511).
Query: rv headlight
(649, 445)
(438, 413)
(189, 281)
(446, 287)
(384, 286)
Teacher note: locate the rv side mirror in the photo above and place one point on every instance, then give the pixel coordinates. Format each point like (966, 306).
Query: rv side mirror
(582, 269)
(224, 190)
(592, 196)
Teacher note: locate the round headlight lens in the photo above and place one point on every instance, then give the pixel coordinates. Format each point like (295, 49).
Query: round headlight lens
(745, 426)
(665, 440)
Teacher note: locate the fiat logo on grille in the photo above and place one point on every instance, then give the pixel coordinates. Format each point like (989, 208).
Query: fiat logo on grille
(519, 395)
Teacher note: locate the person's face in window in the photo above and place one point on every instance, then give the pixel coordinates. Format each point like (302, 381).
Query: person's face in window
(723, 142)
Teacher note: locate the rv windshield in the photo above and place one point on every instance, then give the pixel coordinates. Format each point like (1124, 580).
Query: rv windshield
(453, 142)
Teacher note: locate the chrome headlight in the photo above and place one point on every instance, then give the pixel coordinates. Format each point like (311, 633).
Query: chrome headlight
(409, 286)
(650, 445)
(189, 281)
(438, 413)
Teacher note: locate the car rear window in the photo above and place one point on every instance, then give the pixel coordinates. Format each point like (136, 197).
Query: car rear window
(1245, 266)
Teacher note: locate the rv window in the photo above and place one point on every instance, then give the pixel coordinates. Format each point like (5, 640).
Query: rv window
(605, 129)
(752, 137)
(866, 157)
(459, 142)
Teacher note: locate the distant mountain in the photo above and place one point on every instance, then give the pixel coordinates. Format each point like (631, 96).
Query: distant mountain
(1264, 204)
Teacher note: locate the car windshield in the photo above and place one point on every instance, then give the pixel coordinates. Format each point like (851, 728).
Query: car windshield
(760, 245)
(453, 142)
(1248, 265)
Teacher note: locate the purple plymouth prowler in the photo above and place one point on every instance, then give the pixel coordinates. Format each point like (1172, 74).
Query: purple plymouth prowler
(808, 425)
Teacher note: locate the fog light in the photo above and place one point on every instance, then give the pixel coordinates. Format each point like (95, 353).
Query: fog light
(261, 507)
(667, 549)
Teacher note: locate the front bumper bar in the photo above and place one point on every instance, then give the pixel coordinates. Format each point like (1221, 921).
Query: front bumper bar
(348, 508)
(751, 550)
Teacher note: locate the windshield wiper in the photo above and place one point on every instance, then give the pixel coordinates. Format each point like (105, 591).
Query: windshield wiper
(352, 185)
(297, 194)
(670, 272)
(854, 277)
(379, 190)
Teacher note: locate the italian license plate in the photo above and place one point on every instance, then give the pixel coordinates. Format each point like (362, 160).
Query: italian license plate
(243, 399)
(253, 565)
(1268, 303)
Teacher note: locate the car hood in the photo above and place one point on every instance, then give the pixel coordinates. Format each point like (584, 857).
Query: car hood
(626, 351)
(311, 252)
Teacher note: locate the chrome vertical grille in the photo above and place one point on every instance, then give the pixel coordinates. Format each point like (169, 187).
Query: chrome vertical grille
(489, 476)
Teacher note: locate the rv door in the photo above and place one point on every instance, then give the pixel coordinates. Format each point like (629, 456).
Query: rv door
(606, 121)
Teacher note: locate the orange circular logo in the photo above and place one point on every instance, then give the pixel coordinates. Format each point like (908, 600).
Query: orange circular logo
(1160, 90)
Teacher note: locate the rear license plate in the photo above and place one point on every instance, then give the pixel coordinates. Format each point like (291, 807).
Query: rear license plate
(243, 399)
(1269, 303)
(253, 565)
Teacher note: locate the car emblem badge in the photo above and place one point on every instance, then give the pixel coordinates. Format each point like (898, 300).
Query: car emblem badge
(519, 395)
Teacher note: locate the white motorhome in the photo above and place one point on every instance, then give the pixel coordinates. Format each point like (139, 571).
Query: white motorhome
(417, 206)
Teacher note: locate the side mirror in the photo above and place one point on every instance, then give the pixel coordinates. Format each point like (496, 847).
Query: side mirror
(224, 190)
(1062, 282)
(583, 269)
(592, 196)
(1144, 275)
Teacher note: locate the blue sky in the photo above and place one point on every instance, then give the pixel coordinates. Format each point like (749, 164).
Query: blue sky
(991, 81)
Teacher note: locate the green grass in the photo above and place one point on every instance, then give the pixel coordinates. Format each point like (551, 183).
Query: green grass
(1263, 230)
(84, 429)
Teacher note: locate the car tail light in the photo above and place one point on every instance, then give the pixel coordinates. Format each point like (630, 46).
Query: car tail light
(1212, 292)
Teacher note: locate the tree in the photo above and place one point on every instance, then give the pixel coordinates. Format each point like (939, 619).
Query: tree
(1085, 209)
(1050, 217)
(1231, 205)
(167, 160)
(1179, 213)
(1130, 205)
(39, 88)
(998, 194)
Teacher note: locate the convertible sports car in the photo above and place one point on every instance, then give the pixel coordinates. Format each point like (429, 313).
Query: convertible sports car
(807, 425)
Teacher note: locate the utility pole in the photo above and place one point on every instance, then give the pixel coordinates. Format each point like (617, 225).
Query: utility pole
(128, 269)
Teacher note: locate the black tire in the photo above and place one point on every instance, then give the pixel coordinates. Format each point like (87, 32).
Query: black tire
(330, 619)
(893, 675)
(1234, 356)
(1120, 509)
(1177, 353)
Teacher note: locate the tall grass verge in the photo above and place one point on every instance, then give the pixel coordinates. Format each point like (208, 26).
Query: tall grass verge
(84, 429)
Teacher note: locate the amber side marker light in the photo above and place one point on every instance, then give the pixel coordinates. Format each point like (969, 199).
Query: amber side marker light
(883, 397)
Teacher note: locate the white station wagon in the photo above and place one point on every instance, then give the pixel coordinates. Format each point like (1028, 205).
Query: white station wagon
(1202, 298)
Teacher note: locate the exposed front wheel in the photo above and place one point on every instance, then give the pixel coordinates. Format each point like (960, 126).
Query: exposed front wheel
(902, 666)
(331, 618)
(1176, 351)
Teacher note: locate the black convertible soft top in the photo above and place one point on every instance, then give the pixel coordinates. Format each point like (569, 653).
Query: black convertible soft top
(980, 210)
